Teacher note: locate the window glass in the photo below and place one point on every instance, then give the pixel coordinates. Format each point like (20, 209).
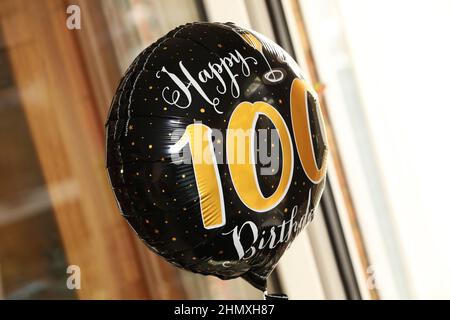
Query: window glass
(32, 259)
(384, 65)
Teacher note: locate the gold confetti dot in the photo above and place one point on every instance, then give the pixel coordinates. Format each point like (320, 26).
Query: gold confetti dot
(165, 108)
(121, 170)
(147, 221)
(194, 258)
(202, 110)
(132, 143)
(150, 88)
(221, 252)
(156, 231)
(184, 209)
(165, 48)
(219, 45)
(150, 146)
(285, 210)
(166, 222)
(219, 141)
(183, 176)
(174, 239)
(137, 173)
(130, 127)
(280, 101)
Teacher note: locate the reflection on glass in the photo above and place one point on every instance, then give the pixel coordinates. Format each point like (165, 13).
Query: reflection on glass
(32, 260)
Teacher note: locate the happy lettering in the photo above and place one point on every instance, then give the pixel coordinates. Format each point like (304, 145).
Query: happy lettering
(221, 72)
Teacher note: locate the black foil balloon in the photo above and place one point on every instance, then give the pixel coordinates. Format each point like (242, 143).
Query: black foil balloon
(224, 217)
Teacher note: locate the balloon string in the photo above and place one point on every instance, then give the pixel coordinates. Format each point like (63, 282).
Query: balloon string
(275, 296)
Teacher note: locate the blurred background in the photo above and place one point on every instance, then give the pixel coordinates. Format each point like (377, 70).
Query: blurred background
(381, 69)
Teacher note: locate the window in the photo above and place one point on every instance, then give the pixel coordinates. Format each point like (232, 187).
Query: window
(380, 69)
(384, 67)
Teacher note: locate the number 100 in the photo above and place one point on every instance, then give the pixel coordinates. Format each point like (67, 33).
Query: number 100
(243, 174)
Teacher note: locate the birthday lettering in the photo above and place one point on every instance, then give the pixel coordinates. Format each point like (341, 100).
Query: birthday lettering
(181, 97)
(276, 235)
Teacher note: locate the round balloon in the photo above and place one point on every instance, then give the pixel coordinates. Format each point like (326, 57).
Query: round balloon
(216, 150)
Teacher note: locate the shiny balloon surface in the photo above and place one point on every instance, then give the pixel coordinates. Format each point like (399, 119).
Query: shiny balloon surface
(230, 203)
